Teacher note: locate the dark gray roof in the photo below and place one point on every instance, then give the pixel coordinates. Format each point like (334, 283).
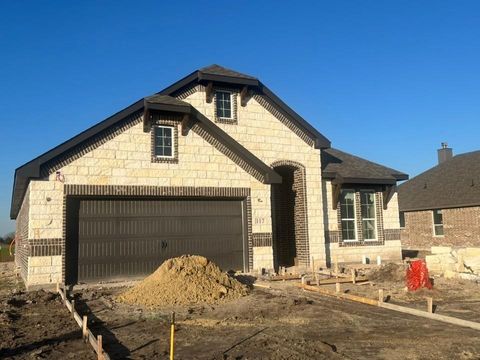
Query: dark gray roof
(347, 168)
(165, 99)
(164, 102)
(453, 183)
(222, 71)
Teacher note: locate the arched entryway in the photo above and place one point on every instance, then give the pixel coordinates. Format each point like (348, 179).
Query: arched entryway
(289, 215)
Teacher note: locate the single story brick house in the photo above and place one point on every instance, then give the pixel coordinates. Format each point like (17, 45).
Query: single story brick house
(215, 164)
(441, 206)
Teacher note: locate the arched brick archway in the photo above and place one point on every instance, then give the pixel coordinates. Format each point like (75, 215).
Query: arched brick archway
(289, 215)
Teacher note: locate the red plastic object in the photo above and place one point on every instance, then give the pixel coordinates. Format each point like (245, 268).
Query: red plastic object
(417, 276)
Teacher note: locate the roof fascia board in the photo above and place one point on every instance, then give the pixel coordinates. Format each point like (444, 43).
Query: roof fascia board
(227, 79)
(321, 142)
(169, 108)
(365, 181)
(31, 169)
(271, 177)
(430, 208)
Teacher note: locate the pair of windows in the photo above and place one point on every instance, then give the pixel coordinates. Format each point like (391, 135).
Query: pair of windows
(349, 216)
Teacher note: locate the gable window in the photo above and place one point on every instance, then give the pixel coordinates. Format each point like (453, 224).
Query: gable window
(223, 101)
(367, 204)
(164, 147)
(438, 222)
(347, 213)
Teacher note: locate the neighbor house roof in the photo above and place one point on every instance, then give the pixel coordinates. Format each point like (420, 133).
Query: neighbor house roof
(342, 167)
(165, 101)
(453, 183)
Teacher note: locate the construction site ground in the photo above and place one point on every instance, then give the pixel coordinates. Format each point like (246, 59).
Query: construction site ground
(283, 322)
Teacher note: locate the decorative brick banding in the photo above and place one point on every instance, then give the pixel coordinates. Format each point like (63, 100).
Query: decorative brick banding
(262, 239)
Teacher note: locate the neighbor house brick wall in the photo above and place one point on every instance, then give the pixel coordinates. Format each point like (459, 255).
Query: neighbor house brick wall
(388, 231)
(461, 227)
(265, 133)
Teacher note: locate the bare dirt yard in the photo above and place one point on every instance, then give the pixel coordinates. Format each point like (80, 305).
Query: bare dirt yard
(282, 322)
(35, 325)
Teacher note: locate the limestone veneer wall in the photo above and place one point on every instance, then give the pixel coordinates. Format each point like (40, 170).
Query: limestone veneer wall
(262, 133)
(126, 160)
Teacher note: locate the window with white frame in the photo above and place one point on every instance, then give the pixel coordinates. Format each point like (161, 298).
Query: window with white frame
(367, 205)
(164, 141)
(223, 101)
(438, 222)
(347, 213)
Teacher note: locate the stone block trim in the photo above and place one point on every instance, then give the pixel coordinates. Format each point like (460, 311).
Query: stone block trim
(159, 191)
(91, 144)
(275, 111)
(261, 239)
(170, 121)
(234, 119)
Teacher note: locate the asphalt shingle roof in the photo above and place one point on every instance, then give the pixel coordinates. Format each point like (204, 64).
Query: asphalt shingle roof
(165, 99)
(347, 168)
(453, 183)
(215, 69)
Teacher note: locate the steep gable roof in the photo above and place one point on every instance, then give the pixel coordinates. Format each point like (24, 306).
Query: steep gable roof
(453, 183)
(165, 101)
(342, 167)
(32, 169)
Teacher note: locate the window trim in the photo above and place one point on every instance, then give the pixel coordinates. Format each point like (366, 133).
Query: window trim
(165, 121)
(374, 214)
(354, 218)
(217, 104)
(436, 225)
(172, 128)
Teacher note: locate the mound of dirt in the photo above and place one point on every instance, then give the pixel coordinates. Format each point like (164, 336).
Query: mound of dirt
(390, 272)
(185, 280)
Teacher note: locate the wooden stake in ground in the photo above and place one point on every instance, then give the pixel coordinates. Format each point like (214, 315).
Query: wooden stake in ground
(172, 335)
(430, 305)
(337, 287)
(353, 275)
(380, 295)
(84, 328)
(99, 347)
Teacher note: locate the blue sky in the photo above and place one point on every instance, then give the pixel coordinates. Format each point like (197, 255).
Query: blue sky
(385, 80)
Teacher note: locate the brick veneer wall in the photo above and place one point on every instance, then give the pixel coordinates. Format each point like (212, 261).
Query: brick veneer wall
(461, 227)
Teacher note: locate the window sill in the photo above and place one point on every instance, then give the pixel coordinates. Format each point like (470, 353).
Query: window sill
(161, 159)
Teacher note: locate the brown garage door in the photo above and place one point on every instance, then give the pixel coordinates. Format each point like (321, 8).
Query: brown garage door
(131, 238)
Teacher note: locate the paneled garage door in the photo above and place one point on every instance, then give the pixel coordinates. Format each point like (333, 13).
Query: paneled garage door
(131, 238)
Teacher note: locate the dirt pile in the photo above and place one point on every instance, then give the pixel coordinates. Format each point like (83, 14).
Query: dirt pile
(390, 272)
(185, 280)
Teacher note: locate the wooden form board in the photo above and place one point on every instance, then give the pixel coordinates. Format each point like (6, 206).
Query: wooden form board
(402, 309)
(91, 337)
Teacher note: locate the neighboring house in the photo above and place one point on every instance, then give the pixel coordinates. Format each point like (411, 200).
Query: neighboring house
(215, 164)
(442, 205)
